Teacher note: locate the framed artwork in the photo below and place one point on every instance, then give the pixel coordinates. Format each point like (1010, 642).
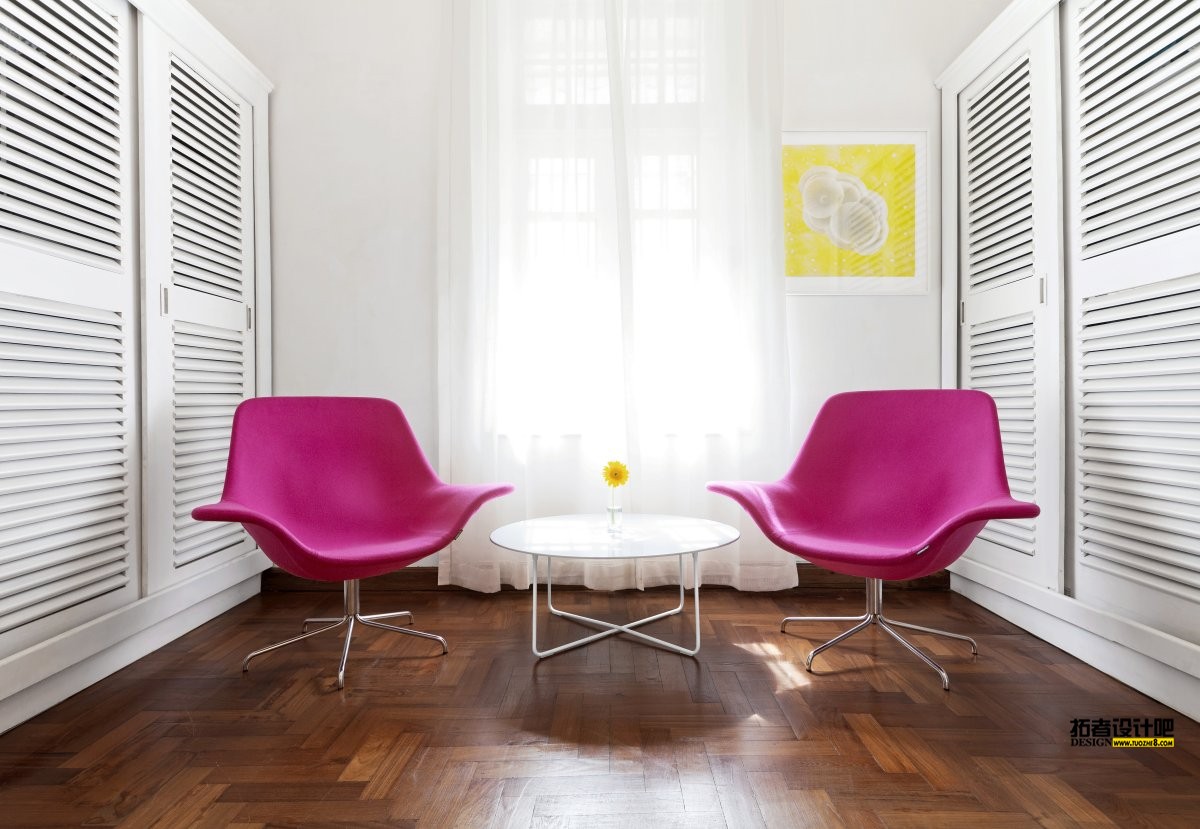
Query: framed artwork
(855, 215)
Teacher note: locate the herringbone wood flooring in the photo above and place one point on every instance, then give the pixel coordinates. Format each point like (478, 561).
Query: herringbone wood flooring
(616, 734)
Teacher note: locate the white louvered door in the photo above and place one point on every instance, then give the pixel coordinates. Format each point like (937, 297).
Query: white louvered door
(69, 517)
(200, 357)
(1134, 215)
(1010, 289)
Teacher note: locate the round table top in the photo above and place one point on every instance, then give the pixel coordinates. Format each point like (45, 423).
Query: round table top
(587, 536)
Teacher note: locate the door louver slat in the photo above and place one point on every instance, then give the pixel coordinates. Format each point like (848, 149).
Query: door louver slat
(1005, 220)
(190, 213)
(204, 236)
(206, 182)
(1010, 190)
(994, 129)
(32, 80)
(1121, 68)
(1005, 235)
(1115, 57)
(59, 104)
(214, 148)
(999, 165)
(996, 89)
(219, 106)
(64, 444)
(1139, 70)
(1140, 433)
(39, 151)
(203, 184)
(92, 43)
(1164, 181)
(1140, 103)
(999, 161)
(17, 27)
(44, 200)
(61, 183)
(1001, 362)
(209, 383)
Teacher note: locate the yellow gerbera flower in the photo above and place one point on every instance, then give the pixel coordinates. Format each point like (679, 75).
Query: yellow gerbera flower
(616, 473)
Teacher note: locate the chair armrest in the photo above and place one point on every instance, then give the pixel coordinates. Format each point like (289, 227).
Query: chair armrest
(446, 508)
(996, 508)
(230, 511)
(237, 513)
(1002, 507)
(762, 501)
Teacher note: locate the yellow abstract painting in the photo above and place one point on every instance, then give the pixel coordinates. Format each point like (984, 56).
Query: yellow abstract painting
(851, 210)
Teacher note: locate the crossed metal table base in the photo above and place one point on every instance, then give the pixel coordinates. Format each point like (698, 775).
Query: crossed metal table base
(609, 628)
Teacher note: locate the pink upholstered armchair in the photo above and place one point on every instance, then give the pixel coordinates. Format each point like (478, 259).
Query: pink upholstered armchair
(337, 489)
(889, 485)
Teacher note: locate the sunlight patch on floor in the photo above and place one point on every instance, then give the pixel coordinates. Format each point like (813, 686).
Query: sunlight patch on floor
(790, 674)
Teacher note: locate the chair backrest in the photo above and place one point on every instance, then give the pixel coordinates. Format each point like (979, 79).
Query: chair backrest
(350, 462)
(900, 460)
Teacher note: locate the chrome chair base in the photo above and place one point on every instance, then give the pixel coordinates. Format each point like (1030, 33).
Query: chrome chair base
(349, 617)
(874, 616)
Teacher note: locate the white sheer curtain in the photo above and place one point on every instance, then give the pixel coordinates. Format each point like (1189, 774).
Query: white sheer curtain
(611, 284)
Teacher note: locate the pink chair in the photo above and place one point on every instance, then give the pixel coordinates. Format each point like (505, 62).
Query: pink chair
(889, 485)
(337, 489)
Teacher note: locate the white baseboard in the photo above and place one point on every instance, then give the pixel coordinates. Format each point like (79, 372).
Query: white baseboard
(1159, 665)
(39, 677)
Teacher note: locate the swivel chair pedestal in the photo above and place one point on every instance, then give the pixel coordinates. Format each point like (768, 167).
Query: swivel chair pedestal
(350, 615)
(874, 616)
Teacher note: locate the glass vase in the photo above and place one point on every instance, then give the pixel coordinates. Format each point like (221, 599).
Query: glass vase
(614, 511)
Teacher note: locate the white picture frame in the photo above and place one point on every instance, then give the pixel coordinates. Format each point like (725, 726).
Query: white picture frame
(865, 226)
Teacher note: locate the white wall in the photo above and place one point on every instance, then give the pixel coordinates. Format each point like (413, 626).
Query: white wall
(870, 65)
(354, 124)
(353, 185)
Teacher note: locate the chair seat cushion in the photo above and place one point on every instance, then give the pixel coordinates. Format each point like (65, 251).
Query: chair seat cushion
(343, 559)
(852, 556)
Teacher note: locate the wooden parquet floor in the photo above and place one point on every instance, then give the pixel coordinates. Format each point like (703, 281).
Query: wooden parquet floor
(617, 734)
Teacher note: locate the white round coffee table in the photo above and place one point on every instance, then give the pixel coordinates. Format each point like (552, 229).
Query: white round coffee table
(589, 537)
